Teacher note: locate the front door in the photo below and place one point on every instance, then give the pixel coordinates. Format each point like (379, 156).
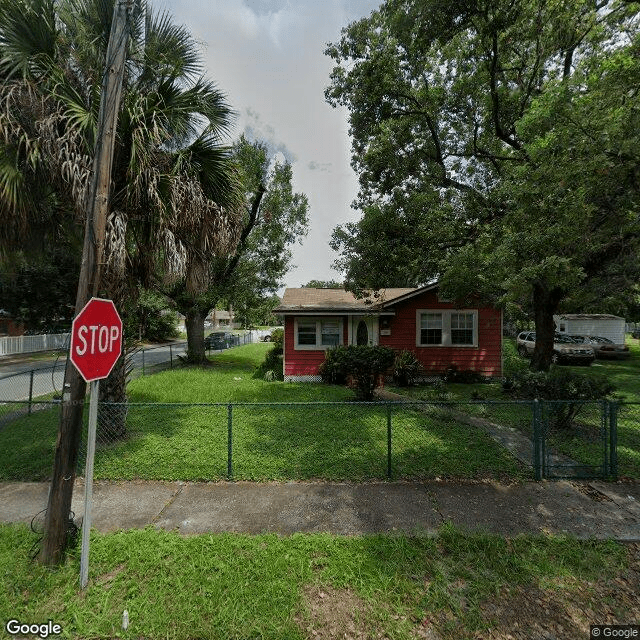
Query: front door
(364, 330)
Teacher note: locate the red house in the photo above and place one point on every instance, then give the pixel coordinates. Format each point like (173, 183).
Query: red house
(416, 320)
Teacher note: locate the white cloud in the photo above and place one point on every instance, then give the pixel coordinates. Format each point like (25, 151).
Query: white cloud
(268, 58)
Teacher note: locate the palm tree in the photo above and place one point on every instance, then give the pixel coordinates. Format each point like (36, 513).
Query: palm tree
(173, 189)
(174, 198)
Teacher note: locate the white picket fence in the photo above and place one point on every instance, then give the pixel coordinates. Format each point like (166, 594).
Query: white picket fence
(12, 345)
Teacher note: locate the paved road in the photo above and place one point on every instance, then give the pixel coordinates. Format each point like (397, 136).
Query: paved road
(49, 374)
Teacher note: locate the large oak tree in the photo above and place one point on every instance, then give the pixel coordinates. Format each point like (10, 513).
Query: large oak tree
(492, 143)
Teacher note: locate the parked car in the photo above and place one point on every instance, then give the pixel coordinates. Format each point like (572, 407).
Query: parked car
(603, 347)
(218, 340)
(565, 349)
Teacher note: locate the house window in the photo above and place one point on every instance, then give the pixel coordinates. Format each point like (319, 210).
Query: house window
(306, 333)
(444, 328)
(317, 333)
(330, 332)
(431, 328)
(462, 328)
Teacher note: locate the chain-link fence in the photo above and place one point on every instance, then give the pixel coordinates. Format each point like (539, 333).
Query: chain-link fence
(338, 441)
(575, 439)
(31, 386)
(626, 430)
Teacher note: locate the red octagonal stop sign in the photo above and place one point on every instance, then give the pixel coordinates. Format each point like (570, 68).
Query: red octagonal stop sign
(96, 339)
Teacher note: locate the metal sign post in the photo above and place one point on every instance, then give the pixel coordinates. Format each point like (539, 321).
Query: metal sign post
(96, 345)
(88, 484)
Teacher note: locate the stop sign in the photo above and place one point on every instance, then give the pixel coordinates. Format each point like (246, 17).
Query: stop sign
(96, 339)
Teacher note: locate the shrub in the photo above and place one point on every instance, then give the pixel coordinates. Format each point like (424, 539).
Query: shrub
(406, 368)
(362, 364)
(573, 389)
(271, 367)
(513, 363)
(277, 337)
(465, 376)
(332, 370)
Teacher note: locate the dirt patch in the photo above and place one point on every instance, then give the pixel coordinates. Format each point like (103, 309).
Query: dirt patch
(565, 607)
(333, 613)
(591, 492)
(105, 579)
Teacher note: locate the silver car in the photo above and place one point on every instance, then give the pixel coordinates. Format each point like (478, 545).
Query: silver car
(565, 349)
(603, 347)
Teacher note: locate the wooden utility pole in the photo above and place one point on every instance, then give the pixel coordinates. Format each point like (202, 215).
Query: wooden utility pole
(74, 390)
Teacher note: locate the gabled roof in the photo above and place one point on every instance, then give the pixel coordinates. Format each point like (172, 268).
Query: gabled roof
(305, 300)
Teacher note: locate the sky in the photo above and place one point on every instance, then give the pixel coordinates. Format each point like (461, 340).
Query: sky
(267, 56)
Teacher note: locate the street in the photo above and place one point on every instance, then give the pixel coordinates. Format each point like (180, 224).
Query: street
(48, 374)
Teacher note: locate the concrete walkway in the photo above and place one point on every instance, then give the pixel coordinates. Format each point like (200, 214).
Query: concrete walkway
(594, 509)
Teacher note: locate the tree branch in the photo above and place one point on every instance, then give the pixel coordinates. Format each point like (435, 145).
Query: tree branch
(246, 231)
(495, 101)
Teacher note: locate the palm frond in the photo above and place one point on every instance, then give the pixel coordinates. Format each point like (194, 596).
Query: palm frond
(27, 38)
(169, 51)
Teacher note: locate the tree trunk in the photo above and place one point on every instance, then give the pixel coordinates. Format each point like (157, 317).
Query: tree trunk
(194, 323)
(54, 542)
(112, 419)
(545, 304)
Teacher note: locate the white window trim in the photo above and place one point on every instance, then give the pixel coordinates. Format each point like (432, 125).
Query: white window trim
(446, 328)
(318, 321)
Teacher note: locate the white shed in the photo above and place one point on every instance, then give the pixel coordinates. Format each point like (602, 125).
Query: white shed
(591, 324)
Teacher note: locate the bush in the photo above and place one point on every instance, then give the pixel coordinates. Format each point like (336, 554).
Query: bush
(362, 364)
(573, 389)
(332, 370)
(406, 369)
(465, 376)
(271, 368)
(277, 337)
(513, 363)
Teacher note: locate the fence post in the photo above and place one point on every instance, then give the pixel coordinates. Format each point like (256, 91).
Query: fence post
(537, 444)
(30, 389)
(230, 441)
(170, 356)
(142, 361)
(389, 429)
(613, 439)
(606, 415)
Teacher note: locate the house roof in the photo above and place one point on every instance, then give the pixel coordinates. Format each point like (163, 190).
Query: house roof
(588, 316)
(221, 314)
(308, 300)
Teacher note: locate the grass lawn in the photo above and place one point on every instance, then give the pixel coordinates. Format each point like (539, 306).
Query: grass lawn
(583, 443)
(235, 586)
(341, 441)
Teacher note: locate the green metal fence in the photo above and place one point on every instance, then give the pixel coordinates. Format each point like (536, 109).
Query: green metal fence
(346, 441)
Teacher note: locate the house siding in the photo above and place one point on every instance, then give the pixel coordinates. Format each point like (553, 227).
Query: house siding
(486, 358)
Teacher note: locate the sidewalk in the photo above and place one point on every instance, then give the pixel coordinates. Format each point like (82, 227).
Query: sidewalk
(595, 509)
